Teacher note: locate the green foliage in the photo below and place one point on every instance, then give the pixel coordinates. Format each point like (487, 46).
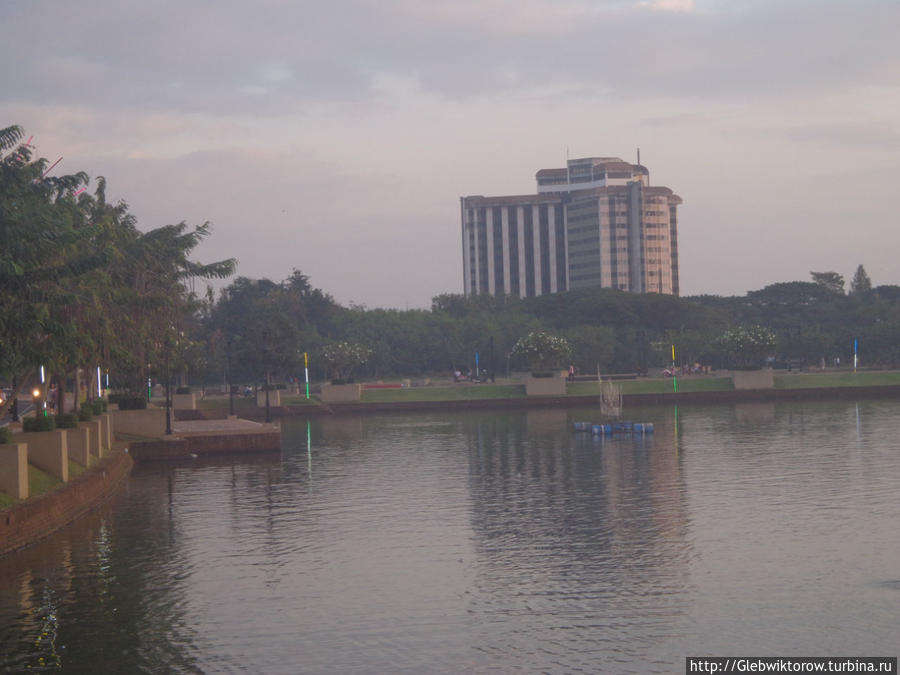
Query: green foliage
(746, 346)
(860, 284)
(99, 406)
(541, 350)
(85, 414)
(129, 401)
(5, 436)
(66, 421)
(39, 423)
(182, 390)
(343, 357)
(831, 281)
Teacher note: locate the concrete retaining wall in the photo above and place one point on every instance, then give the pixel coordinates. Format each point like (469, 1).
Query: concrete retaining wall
(150, 422)
(340, 393)
(14, 469)
(545, 386)
(49, 451)
(184, 401)
(754, 379)
(106, 435)
(79, 444)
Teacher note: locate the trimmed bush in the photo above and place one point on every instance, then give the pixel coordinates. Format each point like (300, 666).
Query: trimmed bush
(99, 406)
(5, 436)
(182, 390)
(132, 402)
(39, 423)
(85, 414)
(66, 421)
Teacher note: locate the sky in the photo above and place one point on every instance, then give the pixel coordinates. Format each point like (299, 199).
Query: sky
(337, 137)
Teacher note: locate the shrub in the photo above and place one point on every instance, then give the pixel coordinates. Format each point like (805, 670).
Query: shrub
(85, 414)
(542, 373)
(39, 423)
(5, 436)
(182, 390)
(132, 402)
(66, 421)
(540, 350)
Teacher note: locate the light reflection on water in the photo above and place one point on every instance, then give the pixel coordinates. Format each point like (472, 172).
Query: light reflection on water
(498, 542)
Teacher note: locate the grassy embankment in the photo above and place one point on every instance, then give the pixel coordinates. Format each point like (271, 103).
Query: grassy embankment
(40, 481)
(639, 386)
(843, 379)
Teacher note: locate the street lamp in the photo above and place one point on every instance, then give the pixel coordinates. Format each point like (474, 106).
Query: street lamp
(267, 356)
(168, 348)
(228, 369)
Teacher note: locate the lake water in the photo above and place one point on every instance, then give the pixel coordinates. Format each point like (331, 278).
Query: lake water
(488, 542)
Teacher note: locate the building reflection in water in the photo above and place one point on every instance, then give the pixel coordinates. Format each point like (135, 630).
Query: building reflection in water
(593, 531)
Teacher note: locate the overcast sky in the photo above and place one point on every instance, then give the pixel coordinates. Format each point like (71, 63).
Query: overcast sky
(337, 137)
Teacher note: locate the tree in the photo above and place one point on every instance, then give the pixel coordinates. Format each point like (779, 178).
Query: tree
(746, 346)
(343, 357)
(833, 281)
(541, 350)
(860, 284)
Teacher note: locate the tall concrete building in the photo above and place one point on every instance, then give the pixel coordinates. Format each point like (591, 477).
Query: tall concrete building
(595, 222)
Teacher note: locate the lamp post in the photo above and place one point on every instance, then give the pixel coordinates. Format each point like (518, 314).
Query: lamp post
(15, 402)
(267, 356)
(168, 348)
(228, 368)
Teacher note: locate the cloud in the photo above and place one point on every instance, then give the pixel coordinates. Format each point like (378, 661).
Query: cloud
(669, 5)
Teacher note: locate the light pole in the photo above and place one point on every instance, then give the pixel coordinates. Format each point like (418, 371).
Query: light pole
(267, 357)
(168, 348)
(228, 368)
(15, 401)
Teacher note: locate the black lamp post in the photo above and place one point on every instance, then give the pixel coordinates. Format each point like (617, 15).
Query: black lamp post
(228, 368)
(267, 357)
(168, 348)
(15, 402)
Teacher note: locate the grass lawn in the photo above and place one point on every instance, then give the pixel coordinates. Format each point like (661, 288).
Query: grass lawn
(848, 379)
(40, 481)
(455, 393)
(75, 469)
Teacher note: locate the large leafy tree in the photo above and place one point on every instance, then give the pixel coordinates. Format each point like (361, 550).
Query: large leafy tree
(832, 281)
(80, 285)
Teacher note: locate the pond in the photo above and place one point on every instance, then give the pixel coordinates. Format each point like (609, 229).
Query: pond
(483, 542)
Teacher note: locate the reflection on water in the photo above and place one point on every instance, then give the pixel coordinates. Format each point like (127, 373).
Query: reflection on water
(483, 542)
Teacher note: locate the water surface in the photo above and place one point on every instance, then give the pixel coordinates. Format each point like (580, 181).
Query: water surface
(490, 542)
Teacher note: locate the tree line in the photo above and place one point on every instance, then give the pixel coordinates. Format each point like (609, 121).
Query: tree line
(82, 287)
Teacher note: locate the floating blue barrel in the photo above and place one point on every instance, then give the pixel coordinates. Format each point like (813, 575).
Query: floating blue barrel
(601, 429)
(582, 426)
(638, 428)
(624, 427)
(648, 427)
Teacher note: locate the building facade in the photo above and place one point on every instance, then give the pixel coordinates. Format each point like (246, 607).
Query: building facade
(595, 223)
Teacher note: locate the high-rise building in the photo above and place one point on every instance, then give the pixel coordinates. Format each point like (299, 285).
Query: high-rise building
(596, 222)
